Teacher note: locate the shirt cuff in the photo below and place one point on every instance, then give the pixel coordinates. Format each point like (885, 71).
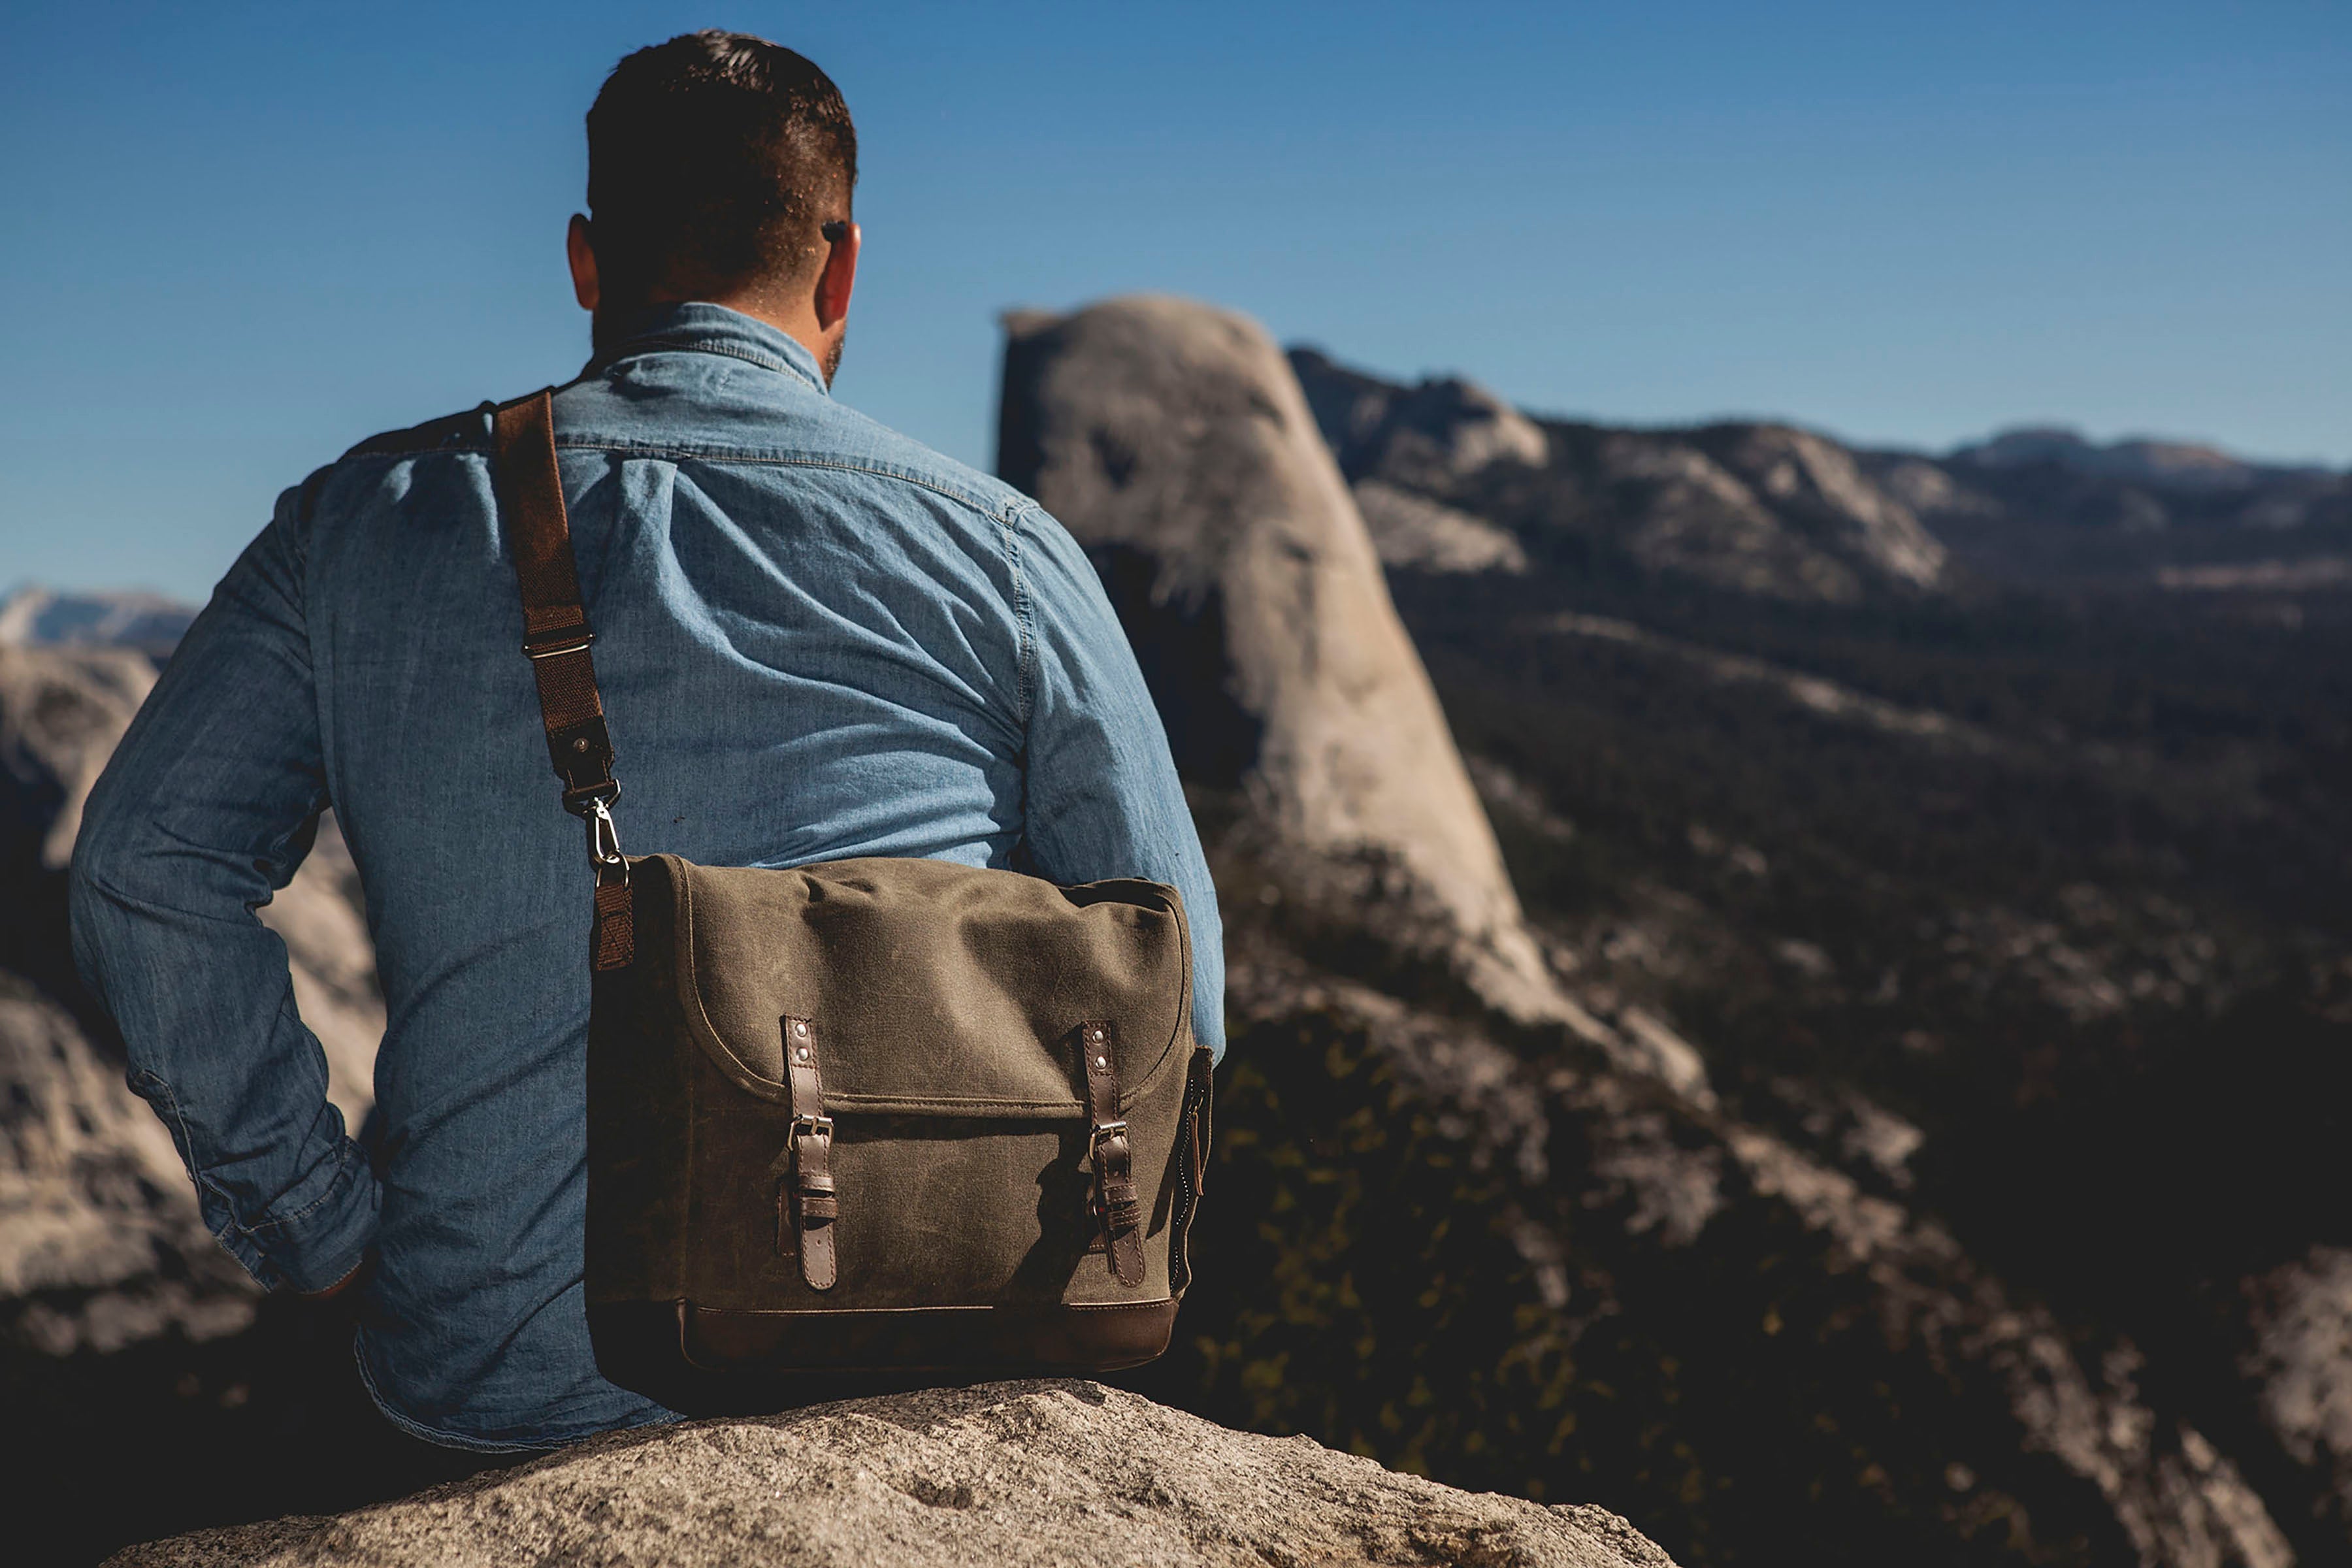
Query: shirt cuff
(315, 1233)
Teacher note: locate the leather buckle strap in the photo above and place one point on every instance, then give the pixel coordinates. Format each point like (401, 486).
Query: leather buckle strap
(808, 1202)
(1117, 1206)
(556, 638)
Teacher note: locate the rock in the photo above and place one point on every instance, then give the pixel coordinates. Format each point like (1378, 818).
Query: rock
(101, 1245)
(1689, 514)
(1440, 430)
(62, 712)
(144, 622)
(1639, 1216)
(1417, 534)
(1815, 487)
(2301, 1357)
(1041, 1473)
(1174, 442)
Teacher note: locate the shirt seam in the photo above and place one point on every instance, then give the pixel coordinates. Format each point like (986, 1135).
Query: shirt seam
(1003, 513)
(1026, 688)
(278, 1226)
(201, 1173)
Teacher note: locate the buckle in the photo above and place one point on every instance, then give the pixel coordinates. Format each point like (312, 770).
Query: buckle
(571, 645)
(1103, 1131)
(582, 755)
(814, 1126)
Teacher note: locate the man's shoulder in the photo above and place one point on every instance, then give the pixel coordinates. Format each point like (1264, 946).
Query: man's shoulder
(867, 444)
(839, 438)
(466, 431)
(470, 428)
(804, 430)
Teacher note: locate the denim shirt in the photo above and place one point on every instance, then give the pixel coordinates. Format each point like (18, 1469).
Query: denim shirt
(816, 639)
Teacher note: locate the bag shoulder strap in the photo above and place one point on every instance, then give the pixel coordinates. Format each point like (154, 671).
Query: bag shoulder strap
(556, 637)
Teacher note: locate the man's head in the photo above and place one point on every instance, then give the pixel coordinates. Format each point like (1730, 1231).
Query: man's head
(719, 168)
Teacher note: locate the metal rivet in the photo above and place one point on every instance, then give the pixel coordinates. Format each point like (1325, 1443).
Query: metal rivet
(800, 1028)
(1102, 1061)
(1098, 1034)
(802, 1053)
(581, 744)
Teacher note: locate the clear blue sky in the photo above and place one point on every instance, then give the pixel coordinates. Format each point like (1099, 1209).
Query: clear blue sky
(238, 237)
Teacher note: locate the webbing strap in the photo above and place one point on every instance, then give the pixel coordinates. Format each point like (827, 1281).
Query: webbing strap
(556, 636)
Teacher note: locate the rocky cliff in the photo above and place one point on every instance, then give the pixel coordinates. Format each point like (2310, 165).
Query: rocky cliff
(1170, 437)
(1500, 1246)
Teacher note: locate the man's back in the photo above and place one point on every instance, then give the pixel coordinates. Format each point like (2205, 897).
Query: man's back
(816, 640)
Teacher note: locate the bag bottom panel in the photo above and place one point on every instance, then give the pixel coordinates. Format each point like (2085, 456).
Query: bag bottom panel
(707, 1360)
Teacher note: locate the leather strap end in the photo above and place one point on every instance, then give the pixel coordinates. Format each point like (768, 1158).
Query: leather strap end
(1116, 1207)
(1126, 1259)
(813, 1201)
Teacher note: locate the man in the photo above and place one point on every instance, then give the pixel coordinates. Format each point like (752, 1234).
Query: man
(816, 639)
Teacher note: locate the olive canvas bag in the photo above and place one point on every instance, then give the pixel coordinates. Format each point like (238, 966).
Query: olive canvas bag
(879, 1116)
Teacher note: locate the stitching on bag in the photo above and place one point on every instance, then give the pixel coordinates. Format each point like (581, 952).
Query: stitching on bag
(700, 1017)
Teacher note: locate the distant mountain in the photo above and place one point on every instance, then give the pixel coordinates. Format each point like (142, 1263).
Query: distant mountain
(1451, 478)
(2045, 507)
(2164, 465)
(34, 616)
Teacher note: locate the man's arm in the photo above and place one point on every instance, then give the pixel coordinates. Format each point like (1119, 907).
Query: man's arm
(205, 811)
(1103, 796)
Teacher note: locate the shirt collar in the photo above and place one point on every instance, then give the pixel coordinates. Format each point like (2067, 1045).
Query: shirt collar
(696, 326)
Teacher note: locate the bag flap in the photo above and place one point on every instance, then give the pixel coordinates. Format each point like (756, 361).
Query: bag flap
(938, 989)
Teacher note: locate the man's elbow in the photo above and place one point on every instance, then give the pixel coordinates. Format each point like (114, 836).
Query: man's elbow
(102, 878)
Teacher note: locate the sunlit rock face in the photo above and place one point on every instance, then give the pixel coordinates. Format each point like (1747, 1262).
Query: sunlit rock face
(1174, 441)
(2299, 1351)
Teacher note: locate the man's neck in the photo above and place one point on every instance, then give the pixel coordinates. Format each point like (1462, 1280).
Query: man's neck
(608, 328)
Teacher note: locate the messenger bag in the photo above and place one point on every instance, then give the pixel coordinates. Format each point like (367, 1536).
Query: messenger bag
(879, 1116)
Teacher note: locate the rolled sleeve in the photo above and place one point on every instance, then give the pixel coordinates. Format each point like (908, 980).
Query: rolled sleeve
(206, 809)
(1103, 798)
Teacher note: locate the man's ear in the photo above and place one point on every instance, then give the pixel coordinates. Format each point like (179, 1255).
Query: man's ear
(839, 277)
(582, 253)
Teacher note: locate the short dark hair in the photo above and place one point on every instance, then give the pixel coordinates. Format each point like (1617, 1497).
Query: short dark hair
(713, 161)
